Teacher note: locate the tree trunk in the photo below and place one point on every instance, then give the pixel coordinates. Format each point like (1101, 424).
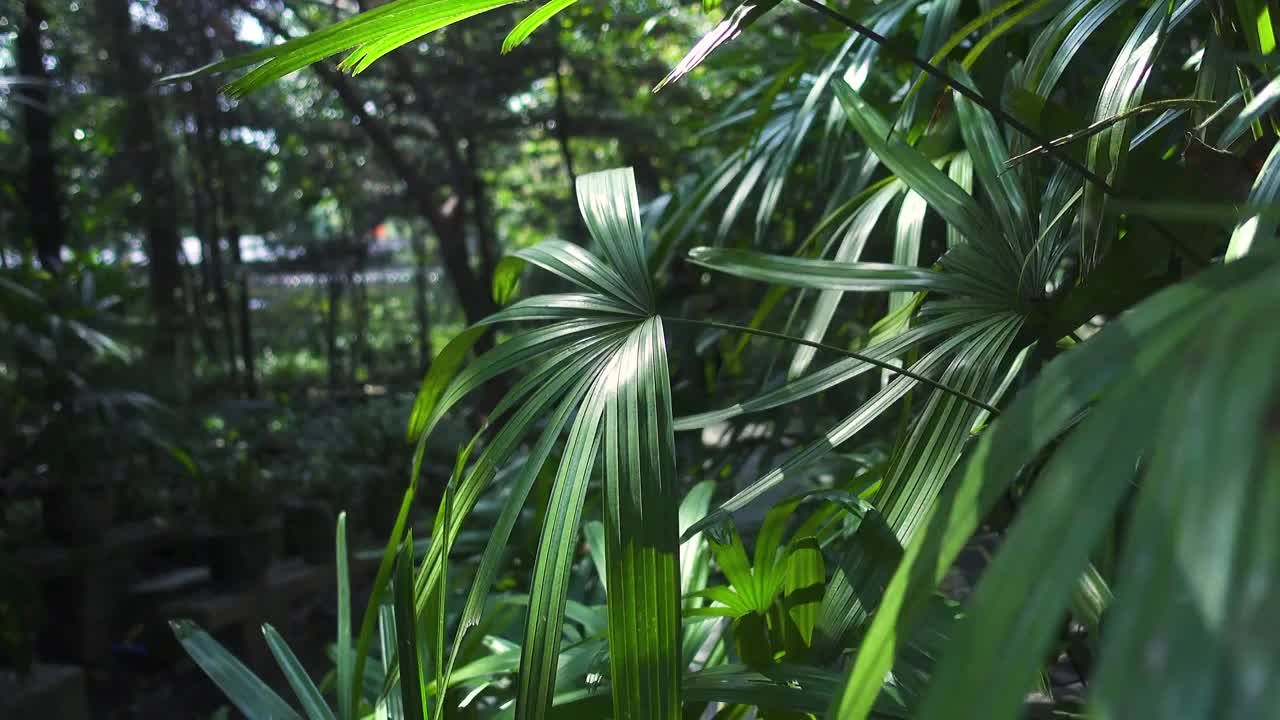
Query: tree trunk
(248, 352)
(421, 304)
(209, 141)
(41, 194)
(448, 225)
(360, 316)
(481, 215)
(212, 285)
(224, 183)
(562, 125)
(194, 283)
(149, 158)
(331, 330)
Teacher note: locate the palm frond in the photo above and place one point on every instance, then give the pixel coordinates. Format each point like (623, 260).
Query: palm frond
(1137, 342)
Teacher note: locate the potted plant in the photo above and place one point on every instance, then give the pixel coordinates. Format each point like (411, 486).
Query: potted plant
(68, 416)
(240, 533)
(310, 511)
(79, 500)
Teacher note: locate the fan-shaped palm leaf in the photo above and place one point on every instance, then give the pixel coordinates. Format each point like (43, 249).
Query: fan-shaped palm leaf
(1173, 340)
(604, 359)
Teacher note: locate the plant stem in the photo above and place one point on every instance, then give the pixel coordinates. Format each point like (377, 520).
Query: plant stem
(941, 75)
(995, 109)
(884, 365)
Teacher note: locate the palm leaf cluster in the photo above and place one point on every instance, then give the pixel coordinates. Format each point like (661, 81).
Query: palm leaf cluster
(1065, 346)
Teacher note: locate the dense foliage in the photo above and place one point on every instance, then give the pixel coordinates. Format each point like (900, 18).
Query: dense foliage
(927, 274)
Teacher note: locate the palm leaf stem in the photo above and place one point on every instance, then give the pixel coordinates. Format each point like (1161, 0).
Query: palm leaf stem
(1057, 152)
(890, 367)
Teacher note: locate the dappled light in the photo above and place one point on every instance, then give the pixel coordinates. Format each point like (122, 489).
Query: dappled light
(646, 360)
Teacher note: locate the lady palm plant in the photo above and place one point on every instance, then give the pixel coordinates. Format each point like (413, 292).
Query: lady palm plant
(1161, 424)
(603, 365)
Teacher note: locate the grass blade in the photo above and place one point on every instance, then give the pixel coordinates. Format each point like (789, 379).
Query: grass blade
(412, 692)
(313, 703)
(244, 689)
(347, 695)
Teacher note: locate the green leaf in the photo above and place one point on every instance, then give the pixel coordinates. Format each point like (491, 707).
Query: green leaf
(944, 196)
(389, 699)
(312, 701)
(443, 368)
(591, 617)
(989, 154)
(906, 243)
(373, 608)
(847, 427)
(960, 170)
(939, 52)
(741, 18)
(563, 372)
(517, 352)
(731, 556)
(694, 565)
(1009, 23)
(1107, 150)
(1091, 598)
(583, 269)
(487, 567)
(816, 100)
(412, 690)
(923, 459)
(369, 35)
(248, 693)
(1038, 414)
(736, 600)
(1251, 113)
(506, 279)
(610, 208)
(769, 556)
(562, 306)
(531, 22)
(444, 665)
(834, 374)
(797, 688)
(594, 535)
(1016, 608)
(817, 274)
(1265, 193)
(856, 233)
(864, 563)
(1055, 47)
(803, 585)
(932, 446)
(1190, 633)
(558, 539)
(938, 24)
(641, 531)
(347, 695)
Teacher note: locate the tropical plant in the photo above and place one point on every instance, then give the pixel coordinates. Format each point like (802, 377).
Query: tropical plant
(1108, 354)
